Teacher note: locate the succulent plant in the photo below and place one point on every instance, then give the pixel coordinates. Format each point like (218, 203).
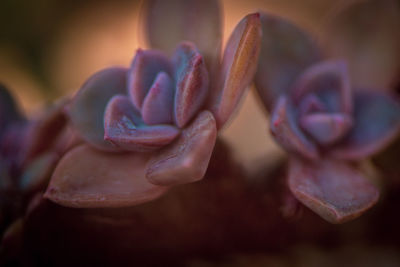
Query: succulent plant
(154, 125)
(324, 124)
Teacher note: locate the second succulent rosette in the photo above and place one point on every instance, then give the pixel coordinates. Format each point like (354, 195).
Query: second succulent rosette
(154, 125)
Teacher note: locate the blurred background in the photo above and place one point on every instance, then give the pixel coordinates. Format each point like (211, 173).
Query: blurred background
(48, 48)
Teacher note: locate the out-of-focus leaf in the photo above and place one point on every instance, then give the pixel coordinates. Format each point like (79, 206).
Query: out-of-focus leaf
(238, 68)
(376, 123)
(143, 72)
(191, 82)
(286, 50)
(88, 178)
(286, 131)
(158, 104)
(186, 160)
(167, 23)
(9, 111)
(87, 108)
(333, 189)
(125, 129)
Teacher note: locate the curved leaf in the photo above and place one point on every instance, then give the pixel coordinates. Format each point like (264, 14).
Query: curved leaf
(143, 72)
(86, 111)
(186, 160)
(167, 23)
(333, 189)
(9, 111)
(238, 68)
(125, 129)
(88, 178)
(191, 82)
(376, 124)
(286, 50)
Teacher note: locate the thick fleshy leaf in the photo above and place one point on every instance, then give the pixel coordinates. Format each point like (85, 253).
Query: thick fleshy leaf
(376, 124)
(191, 82)
(286, 131)
(167, 23)
(125, 129)
(333, 189)
(186, 160)
(158, 104)
(238, 68)
(9, 111)
(87, 108)
(286, 50)
(366, 34)
(326, 128)
(89, 178)
(143, 72)
(328, 81)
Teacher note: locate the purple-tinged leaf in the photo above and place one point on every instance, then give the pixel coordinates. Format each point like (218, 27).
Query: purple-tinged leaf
(143, 72)
(376, 123)
(126, 130)
(167, 23)
(89, 178)
(186, 160)
(287, 133)
(87, 108)
(328, 81)
(333, 189)
(286, 50)
(311, 104)
(191, 82)
(238, 68)
(9, 111)
(158, 104)
(326, 128)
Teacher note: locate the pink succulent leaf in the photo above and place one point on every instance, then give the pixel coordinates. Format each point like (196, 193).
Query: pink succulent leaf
(125, 129)
(326, 128)
(286, 51)
(238, 68)
(167, 23)
(89, 178)
(144, 69)
(376, 124)
(329, 82)
(158, 104)
(335, 190)
(186, 160)
(191, 82)
(9, 111)
(311, 104)
(86, 111)
(372, 49)
(286, 131)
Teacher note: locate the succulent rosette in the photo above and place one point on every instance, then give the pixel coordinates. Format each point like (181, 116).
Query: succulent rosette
(154, 125)
(325, 124)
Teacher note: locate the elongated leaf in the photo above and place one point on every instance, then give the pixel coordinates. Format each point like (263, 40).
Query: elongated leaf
(333, 189)
(286, 50)
(167, 23)
(88, 178)
(9, 111)
(87, 108)
(191, 82)
(125, 129)
(187, 159)
(376, 124)
(238, 68)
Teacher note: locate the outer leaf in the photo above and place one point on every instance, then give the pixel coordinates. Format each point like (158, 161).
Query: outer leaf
(191, 82)
(9, 111)
(125, 129)
(145, 67)
(287, 133)
(167, 23)
(238, 68)
(158, 104)
(187, 159)
(87, 108)
(286, 50)
(333, 189)
(376, 124)
(88, 178)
